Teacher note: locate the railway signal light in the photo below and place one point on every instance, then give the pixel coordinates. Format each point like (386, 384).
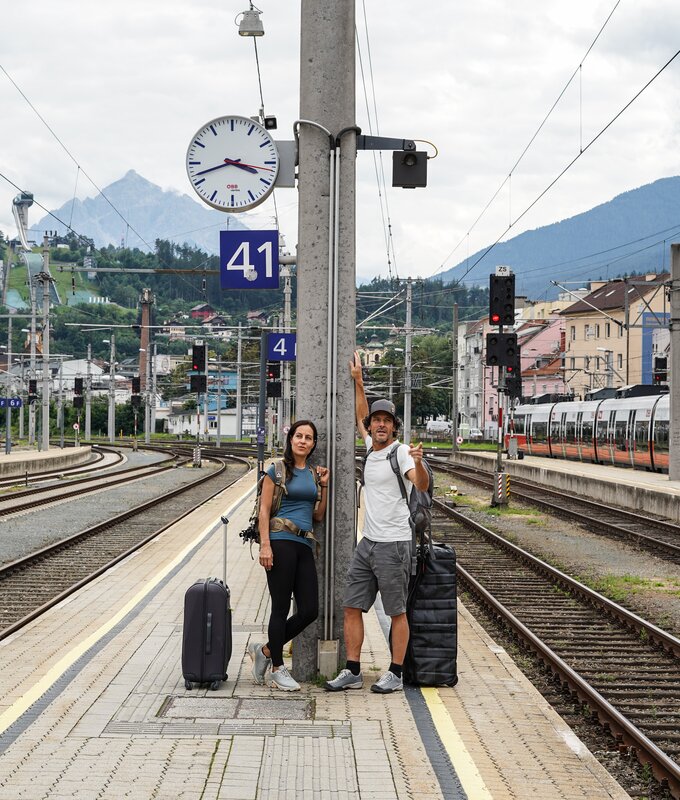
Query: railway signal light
(78, 401)
(136, 385)
(32, 390)
(78, 385)
(501, 299)
(513, 384)
(136, 401)
(502, 350)
(198, 358)
(660, 369)
(273, 388)
(273, 370)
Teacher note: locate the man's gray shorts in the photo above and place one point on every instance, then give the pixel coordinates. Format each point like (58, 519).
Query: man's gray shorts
(379, 566)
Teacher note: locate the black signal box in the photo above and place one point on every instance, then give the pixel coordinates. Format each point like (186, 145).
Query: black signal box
(136, 384)
(78, 401)
(198, 357)
(198, 383)
(274, 389)
(501, 349)
(78, 385)
(501, 299)
(660, 369)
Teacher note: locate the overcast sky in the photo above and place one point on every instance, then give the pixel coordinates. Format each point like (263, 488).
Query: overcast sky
(125, 84)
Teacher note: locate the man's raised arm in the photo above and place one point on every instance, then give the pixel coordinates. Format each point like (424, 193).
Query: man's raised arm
(360, 402)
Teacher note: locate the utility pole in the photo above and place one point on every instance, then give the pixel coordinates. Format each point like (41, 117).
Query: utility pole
(45, 279)
(32, 375)
(284, 422)
(454, 398)
(88, 396)
(674, 363)
(60, 404)
(112, 390)
(326, 299)
(407, 363)
(8, 410)
(239, 410)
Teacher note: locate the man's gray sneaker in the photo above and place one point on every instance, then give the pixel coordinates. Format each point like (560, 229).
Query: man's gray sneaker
(388, 683)
(260, 661)
(345, 680)
(282, 679)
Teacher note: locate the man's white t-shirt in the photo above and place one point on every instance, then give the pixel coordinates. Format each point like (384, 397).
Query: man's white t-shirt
(386, 512)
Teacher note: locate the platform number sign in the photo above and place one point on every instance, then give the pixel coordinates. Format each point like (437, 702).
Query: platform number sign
(281, 347)
(11, 402)
(249, 259)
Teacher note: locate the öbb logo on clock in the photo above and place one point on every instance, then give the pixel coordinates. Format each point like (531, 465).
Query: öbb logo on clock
(232, 186)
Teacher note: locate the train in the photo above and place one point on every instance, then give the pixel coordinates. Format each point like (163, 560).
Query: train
(630, 431)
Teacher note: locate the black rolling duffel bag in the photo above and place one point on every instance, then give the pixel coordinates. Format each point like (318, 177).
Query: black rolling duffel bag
(206, 636)
(432, 617)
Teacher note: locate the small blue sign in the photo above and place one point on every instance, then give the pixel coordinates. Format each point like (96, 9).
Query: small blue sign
(260, 435)
(281, 347)
(12, 402)
(249, 259)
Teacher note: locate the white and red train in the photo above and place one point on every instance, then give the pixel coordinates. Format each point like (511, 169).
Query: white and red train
(630, 431)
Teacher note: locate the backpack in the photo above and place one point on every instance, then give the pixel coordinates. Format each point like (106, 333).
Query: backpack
(419, 503)
(252, 532)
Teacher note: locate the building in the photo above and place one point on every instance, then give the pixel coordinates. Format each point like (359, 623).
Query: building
(610, 333)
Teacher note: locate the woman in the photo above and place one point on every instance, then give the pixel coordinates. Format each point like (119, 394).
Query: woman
(286, 552)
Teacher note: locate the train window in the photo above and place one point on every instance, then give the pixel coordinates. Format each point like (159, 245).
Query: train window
(642, 435)
(570, 431)
(660, 436)
(587, 430)
(555, 429)
(620, 431)
(539, 432)
(518, 424)
(602, 430)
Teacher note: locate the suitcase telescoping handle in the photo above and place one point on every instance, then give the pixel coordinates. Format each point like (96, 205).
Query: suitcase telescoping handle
(225, 523)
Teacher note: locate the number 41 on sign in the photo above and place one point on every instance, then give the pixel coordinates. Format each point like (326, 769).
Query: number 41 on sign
(281, 347)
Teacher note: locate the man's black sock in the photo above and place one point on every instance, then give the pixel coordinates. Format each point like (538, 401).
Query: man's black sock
(354, 667)
(395, 669)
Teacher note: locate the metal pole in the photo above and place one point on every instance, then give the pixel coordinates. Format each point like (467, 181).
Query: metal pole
(112, 389)
(674, 456)
(22, 392)
(262, 404)
(147, 407)
(154, 385)
(88, 396)
(44, 277)
(287, 294)
(8, 410)
(239, 400)
(454, 389)
(407, 364)
(60, 404)
(219, 404)
(31, 369)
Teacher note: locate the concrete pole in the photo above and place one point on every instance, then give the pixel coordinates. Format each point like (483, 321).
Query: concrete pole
(88, 396)
(154, 385)
(284, 422)
(22, 392)
(326, 265)
(407, 363)
(60, 404)
(147, 391)
(218, 438)
(239, 410)
(674, 456)
(454, 388)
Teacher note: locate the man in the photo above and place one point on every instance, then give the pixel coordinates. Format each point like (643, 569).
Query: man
(382, 558)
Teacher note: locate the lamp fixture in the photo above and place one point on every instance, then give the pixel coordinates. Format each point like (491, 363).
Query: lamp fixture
(250, 23)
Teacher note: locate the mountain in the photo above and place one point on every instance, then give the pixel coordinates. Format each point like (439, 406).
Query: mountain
(623, 235)
(154, 212)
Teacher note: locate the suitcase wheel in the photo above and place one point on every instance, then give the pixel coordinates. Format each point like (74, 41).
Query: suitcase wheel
(214, 686)
(188, 685)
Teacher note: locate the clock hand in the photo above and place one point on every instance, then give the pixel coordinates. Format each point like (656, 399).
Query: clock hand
(250, 167)
(228, 162)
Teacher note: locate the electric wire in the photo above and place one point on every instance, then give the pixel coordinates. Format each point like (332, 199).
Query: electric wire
(534, 136)
(572, 162)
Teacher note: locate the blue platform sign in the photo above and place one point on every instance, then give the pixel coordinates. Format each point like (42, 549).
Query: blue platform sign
(281, 347)
(249, 259)
(12, 402)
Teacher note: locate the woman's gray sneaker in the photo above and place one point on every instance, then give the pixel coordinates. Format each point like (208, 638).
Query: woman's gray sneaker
(345, 680)
(282, 679)
(388, 683)
(260, 662)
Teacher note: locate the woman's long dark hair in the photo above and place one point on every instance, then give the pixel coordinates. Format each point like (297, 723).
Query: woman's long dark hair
(288, 459)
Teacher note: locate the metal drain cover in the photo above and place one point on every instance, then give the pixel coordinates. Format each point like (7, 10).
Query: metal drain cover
(224, 708)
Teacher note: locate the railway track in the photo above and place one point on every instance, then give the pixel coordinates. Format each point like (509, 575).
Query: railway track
(658, 536)
(31, 585)
(29, 499)
(626, 669)
(98, 454)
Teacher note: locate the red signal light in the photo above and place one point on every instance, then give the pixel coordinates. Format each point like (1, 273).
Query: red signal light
(510, 369)
(495, 319)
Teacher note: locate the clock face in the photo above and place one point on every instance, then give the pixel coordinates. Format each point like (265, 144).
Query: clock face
(232, 163)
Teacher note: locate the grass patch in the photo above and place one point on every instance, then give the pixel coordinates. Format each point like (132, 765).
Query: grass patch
(621, 587)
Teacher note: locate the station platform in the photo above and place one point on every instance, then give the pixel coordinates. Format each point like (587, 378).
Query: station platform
(93, 703)
(634, 489)
(20, 460)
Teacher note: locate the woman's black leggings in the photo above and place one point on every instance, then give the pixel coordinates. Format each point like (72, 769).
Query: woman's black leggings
(293, 573)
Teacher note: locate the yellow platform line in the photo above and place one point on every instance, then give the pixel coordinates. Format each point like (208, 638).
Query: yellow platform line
(463, 763)
(23, 703)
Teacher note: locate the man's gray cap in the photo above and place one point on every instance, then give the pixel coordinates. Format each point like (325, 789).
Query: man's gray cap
(383, 405)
